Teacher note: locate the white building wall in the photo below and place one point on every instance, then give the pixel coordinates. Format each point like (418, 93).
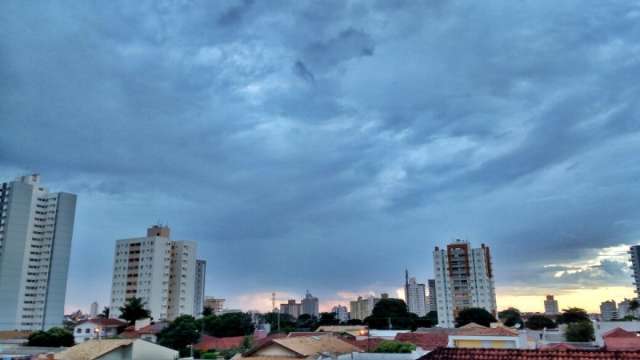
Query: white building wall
(36, 228)
(415, 295)
(182, 284)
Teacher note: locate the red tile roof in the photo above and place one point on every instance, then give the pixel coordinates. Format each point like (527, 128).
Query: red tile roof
(210, 342)
(104, 322)
(482, 331)
(622, 343)
(558, 346)
(512, 354)
(619, 332)
(365, 344)
(427, 341)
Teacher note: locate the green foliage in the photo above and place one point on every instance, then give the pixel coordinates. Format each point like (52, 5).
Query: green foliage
(210, 355)
(328, 318)
(354, 322)
(231, 324)
(105, 313)
(634, 305)
(134, 310)
(573, 315)
(474, 315)
(391, 346)
(306, 322)
(424, 322)
(207, 311)
(54, 337)
(433, 317)
(287, 322)
(391, 313)
(580, 331)
(510, 317)
(180, 333)
(539, 322)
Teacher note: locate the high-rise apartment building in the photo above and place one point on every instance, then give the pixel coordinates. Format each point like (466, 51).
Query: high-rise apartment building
(310, 305)
(433, 302)
(198, 296)
(634, 251)
(551, 306)
(36, 228)
(362, 307)
(159, 270)
(215, 304)
(291, 308)
(341, 313)
(415, 295)
(464, 279)
(93, 311)
(608, 310)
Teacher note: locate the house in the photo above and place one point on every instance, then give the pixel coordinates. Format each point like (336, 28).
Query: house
(426, 340)
(311, 347)
(148, 331)
(477, 336)
(96, 328)
(218, 343)
(619, 339)
(117, 349)
(519, 354)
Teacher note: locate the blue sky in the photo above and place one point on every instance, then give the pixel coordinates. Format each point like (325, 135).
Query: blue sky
(330, 145)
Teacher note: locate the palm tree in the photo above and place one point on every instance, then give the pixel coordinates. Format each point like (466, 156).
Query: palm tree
(105, 313)
(134, 310)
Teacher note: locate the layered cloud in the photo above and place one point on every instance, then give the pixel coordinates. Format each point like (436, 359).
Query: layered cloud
(330, 145)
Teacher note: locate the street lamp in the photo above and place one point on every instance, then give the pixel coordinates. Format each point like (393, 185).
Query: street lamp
(97, 331)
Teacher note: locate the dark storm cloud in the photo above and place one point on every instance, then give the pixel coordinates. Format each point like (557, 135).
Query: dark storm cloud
(339, 134)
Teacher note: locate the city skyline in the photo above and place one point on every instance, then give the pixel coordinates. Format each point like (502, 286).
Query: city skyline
(330, 147)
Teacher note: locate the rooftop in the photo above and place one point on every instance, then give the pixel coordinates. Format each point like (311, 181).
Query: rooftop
(92, 349)
(511, 354)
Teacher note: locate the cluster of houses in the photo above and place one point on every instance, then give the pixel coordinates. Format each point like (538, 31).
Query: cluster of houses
(102, 339)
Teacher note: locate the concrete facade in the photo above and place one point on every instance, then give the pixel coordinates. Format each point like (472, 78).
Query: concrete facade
(464, 279)
(158, 270)
(36, 228)
(198, 296)
(415, 296)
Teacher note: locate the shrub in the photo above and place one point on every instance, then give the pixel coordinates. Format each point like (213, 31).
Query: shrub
(390, 346)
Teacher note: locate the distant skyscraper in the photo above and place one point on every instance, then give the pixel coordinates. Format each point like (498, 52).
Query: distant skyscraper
(198, 296)
(414, 295)
(551, 305)
(158, 270)
(341, 313)
(291, 308)
(36, 228)
(93, 312)
(464, 279)
(310, 305)
(608, 310)
(433, 302)
(635, 267)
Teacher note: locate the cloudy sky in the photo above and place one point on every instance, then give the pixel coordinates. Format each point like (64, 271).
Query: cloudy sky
(330, 145)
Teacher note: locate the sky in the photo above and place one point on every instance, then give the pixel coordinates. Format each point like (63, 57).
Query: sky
(330, 145)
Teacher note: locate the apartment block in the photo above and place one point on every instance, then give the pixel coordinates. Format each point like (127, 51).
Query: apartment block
(433, 295)
(157, 269)
(415, 295)
(310, 305)
(198, 296)
(464, 279)
(36, 227)
(362, 307)
(291, 308)
(551, 305)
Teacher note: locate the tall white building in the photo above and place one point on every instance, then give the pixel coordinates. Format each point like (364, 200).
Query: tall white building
(415, 295)
(310, 305)
(93, 312)
(198, 296)
(36, 228)
(634, 251)
(341, 312)
(464, 279)
(608, 310)
(551, 305)
(159, 270)
(433, 295)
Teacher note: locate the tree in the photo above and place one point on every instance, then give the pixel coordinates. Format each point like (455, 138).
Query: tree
(54, 337)
(479, 316)
(134, 310)
(392, 346)
(539, 322)
(354, 322)
(391, 313)
(306, 322)
(424, 322)
(207, 311)
(231, 324)
(287, 322)
(105, 313)
(572, 315)
(180, 333)
(433, 317)
(328, 318)
(510, 317)
(581, 331)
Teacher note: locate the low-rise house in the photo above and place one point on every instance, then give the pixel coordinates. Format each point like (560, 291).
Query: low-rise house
(96, 329)
(218, 343)
(520, 354)
(117, 349)
(309, 347)
(477, 336)
(426, 341)
(148, 332)
(619, 339)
